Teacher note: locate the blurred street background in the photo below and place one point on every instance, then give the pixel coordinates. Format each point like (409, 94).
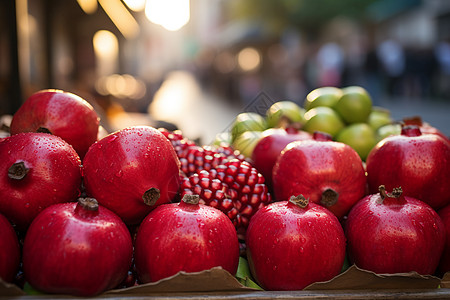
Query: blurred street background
(197, 63)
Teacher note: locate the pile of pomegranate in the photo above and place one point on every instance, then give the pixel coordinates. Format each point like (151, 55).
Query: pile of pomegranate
(81, 214)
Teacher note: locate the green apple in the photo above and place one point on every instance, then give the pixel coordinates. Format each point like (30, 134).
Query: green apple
(378, 117)
(323, 118)
(323, 96)
(359, 136)
(247, 141)
(247, 121)
(222, 138)
(388, 130)
(355, 105)
(285, 112)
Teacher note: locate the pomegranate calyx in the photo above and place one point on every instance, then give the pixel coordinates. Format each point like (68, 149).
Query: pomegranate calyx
(88, 203)
(414, 120)
(329, 197)
(18, 171)
(151, 196)
(411, 130)
(322, 136)
(43, 130)
(299, 200)
(396, 192)
(191, 199)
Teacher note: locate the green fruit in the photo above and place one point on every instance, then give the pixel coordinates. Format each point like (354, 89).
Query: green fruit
(355, 105)
(359, 136)
(379, 117)
(388, 130)
(323, 96)
(247, 141)
(247, 121)
(286, 112)
(222, 138)
(323, 118)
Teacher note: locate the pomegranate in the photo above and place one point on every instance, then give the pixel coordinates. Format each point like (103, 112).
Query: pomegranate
(269, 147)
(235, 187)
(80, 249)
(419, 163)
(393, 233)
(38, 169)
(9, 251)
(327, 172)
(444, 264)
(131, 171)
(185, 236)
(291, 244)
(60, 113)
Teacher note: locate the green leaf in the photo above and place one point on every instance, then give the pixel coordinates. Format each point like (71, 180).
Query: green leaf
(244, 276)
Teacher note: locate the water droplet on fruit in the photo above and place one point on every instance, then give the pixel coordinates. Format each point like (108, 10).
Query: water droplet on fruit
(301, 250)
(201, 225)
(274, 268)
(27, 205)
(113, 138)
(276, 241)
(179, 224)
(119, 173)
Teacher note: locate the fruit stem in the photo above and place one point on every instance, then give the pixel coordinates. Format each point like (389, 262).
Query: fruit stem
(43, 130)
(396, 192)
(86, 207)
(88, 203)
(191, 199)
(411, 130)
(151, 196)
(329, 197)
(18, 171)
(299, 200)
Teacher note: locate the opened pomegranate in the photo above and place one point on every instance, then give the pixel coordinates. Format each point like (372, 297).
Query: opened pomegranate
(444, 264)
(419, 163)
(328, 173)
(9, 251)
(185, 236)
(393, 233)
(269, 147)
(131, 171)
(37, 170)
(60, 113)
(79, 249)
(291, 244)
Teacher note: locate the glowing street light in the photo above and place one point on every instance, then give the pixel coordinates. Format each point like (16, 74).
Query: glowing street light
(170, 14)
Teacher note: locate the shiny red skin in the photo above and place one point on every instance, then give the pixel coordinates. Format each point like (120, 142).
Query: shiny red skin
(185, 237)
(444, 263)
(64, 114)
(71, 250)
(289, 247)
(268, 149)
(54, 175)
(9, 251)
(394, 235)
(419, 163)
(311, 167)
(122, 166)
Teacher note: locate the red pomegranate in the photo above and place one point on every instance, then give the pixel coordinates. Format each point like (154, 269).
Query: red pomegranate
(269, 147)
(38, 169)
(131, 171)
(392, 233)
(444, 264)
(327, 172)
(60, 113)
(291, 244)
(185, 236)
(79, 249)
(419, 163)
(9, 251)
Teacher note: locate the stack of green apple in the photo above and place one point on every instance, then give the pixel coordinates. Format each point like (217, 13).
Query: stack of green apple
(347, 114)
